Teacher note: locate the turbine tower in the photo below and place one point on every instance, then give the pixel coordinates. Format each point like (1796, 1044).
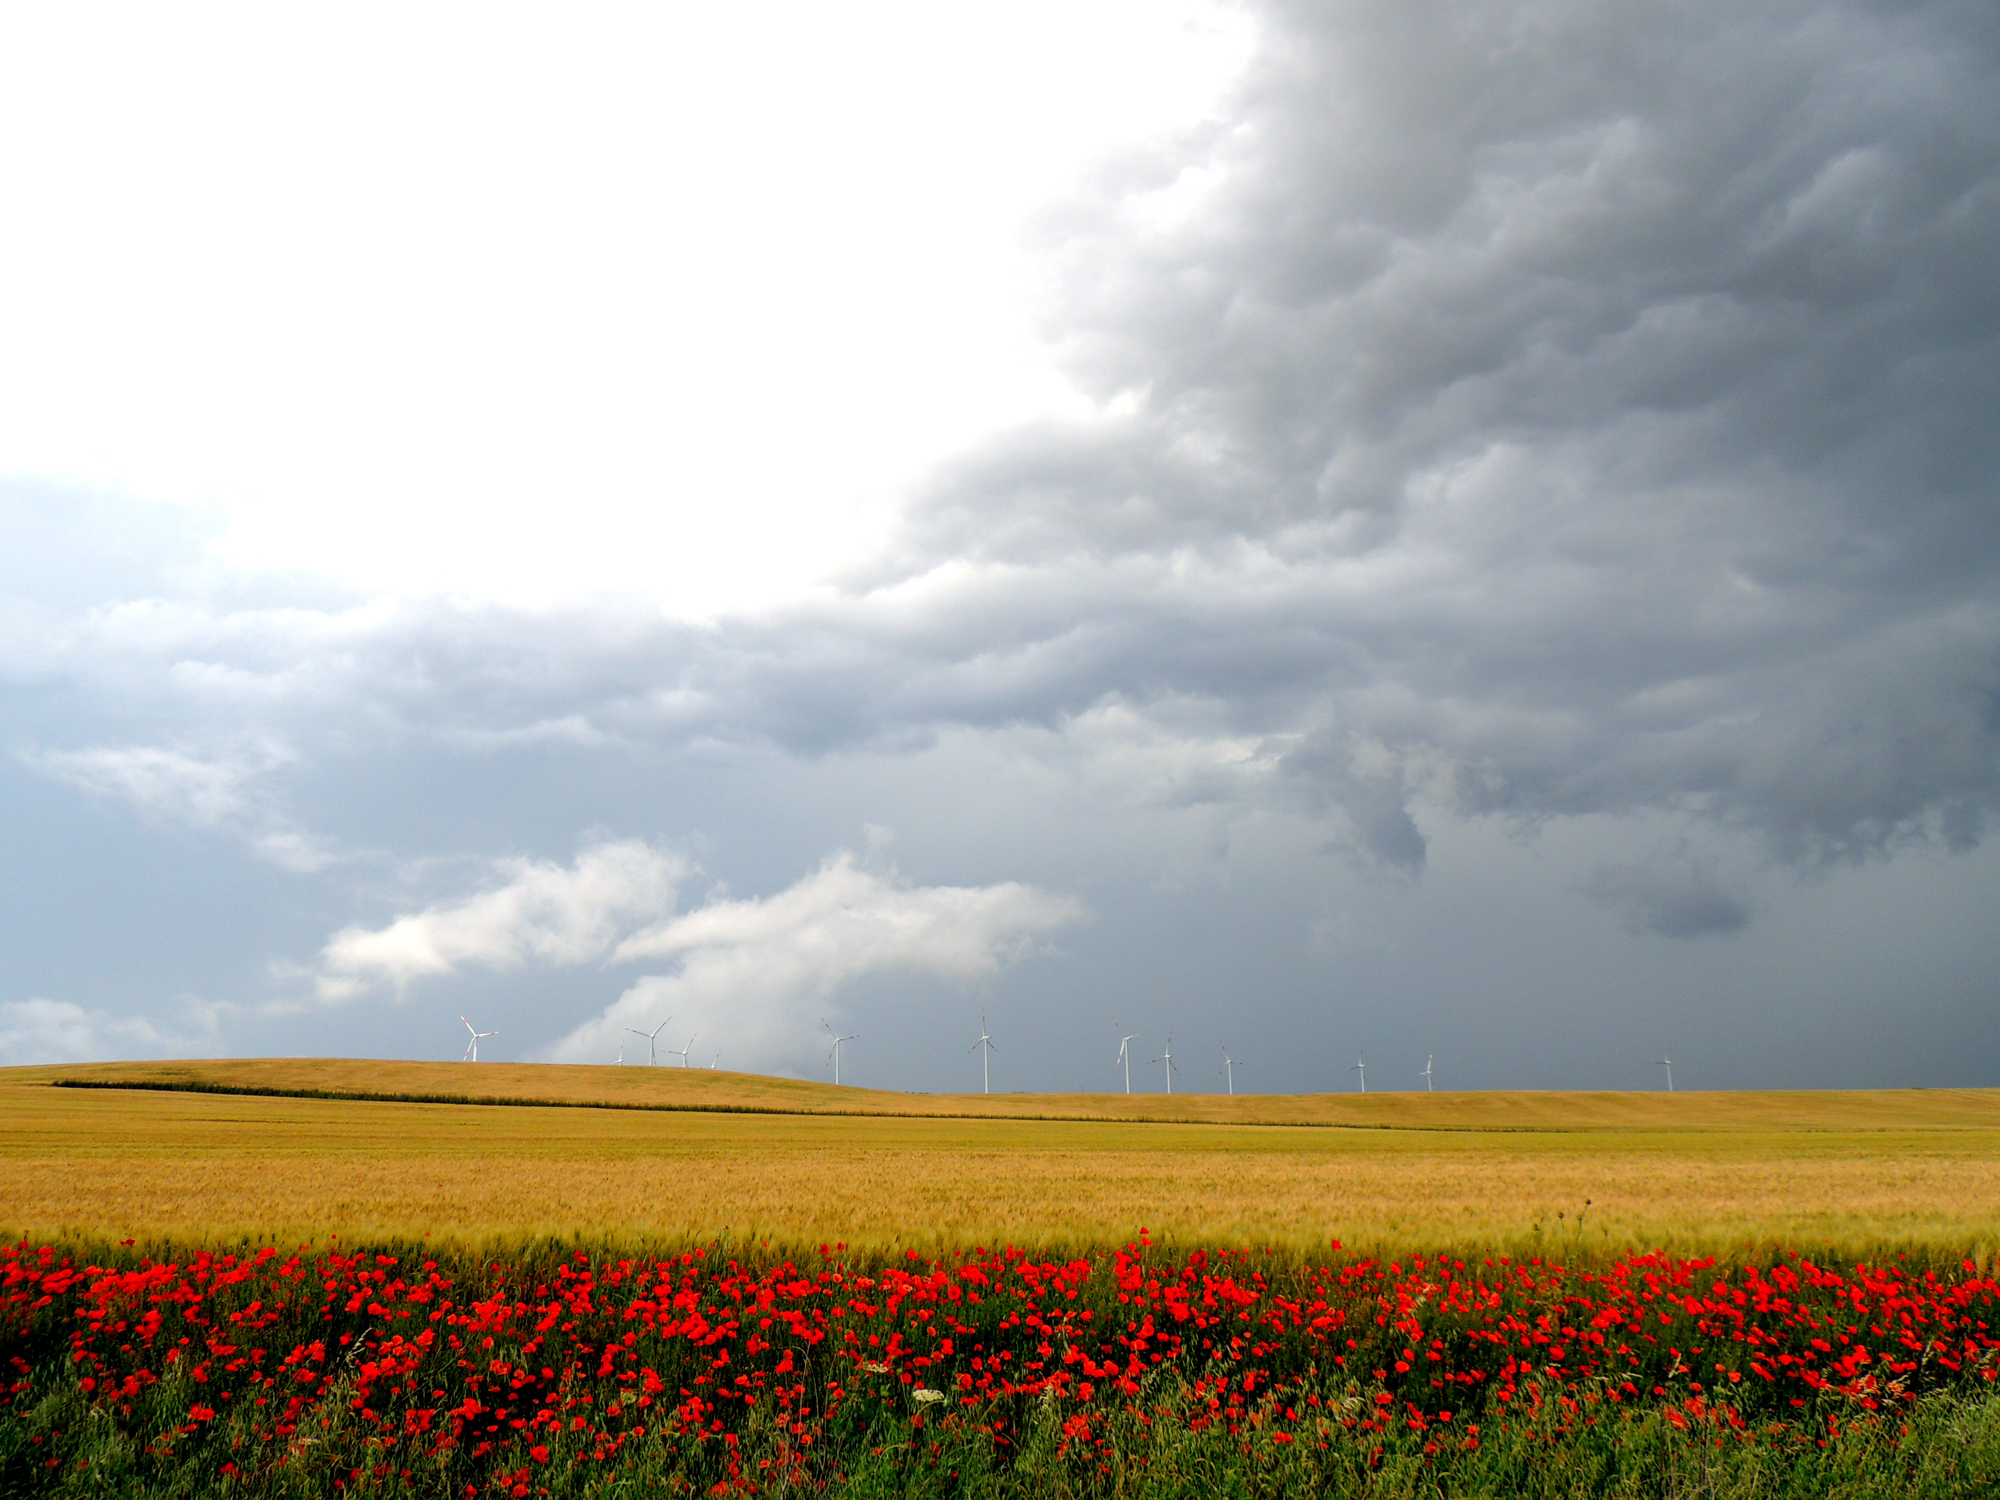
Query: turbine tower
(984, 1046)
(1668, 1064)
(621, 1054)
(1429, 1057)
(1168, 1059)
(835, 1053)
(652, 1040)
(1361, 1067)
(472, 1051)
(1125, 1056)
(1229, 1067)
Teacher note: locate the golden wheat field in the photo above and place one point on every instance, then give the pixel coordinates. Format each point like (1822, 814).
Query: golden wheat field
(679, 1156)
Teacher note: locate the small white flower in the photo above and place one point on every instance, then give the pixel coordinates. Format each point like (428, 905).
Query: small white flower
(875, 1369)
(926, 1395)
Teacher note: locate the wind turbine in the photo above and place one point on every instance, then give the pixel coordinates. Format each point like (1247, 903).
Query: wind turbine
(835, 1053)
(1668, 1064)
(985, 1056)
(683, 1053)
(1361, 1067)
(621, 1054)
(713, 1061)
(1125, 1056)
(1168, 1059)
(1229, 1067)
(1426, 1074)
(652, 1040)
(472, 1051)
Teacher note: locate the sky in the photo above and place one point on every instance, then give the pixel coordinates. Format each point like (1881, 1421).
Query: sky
(1439, 531)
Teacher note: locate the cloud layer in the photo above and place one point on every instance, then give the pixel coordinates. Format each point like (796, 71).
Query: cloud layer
(1504, 424)
(1552, 409)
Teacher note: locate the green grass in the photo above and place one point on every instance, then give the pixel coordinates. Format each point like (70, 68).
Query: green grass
(1946, 1448)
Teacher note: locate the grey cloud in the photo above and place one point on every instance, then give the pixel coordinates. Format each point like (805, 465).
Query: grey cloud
(1373, 800)
(1516, 416)
(1612, 387)
(1671, 894)
(1565, 409)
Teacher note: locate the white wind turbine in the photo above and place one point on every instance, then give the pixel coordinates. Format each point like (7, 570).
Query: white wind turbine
(1361, 1067)
(652, 1040)
(985, 1056)
(1125, 1056)
(472, 1051)
(1229, 1067)
(682, 1054)
(1429, 1057)
(835, 1053)
(1168, 1059)
(1668, 1064)
(621, 1054)
(714, 1061)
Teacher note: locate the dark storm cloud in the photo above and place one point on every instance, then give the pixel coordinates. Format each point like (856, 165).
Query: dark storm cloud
(1671, 894)
(1608, 391)
(1554, 409)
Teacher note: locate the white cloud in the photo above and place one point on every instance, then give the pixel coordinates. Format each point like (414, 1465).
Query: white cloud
(210, 793)
(756, 974)
(539, 237)
(540, 913)
(59, 1031)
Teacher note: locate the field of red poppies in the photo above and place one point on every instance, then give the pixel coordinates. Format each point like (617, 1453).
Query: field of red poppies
(717, 1372)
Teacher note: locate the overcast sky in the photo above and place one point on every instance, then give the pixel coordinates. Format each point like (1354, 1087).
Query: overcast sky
(1389, 529)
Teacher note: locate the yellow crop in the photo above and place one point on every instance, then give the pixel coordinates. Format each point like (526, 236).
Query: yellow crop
(1861, 1173)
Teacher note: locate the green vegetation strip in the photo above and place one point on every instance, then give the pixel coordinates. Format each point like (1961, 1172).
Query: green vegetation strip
(364, 1096)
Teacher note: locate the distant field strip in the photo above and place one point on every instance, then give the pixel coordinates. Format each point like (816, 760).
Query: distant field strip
(701, 1090)
(1911, 1170)
(684, 1107)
